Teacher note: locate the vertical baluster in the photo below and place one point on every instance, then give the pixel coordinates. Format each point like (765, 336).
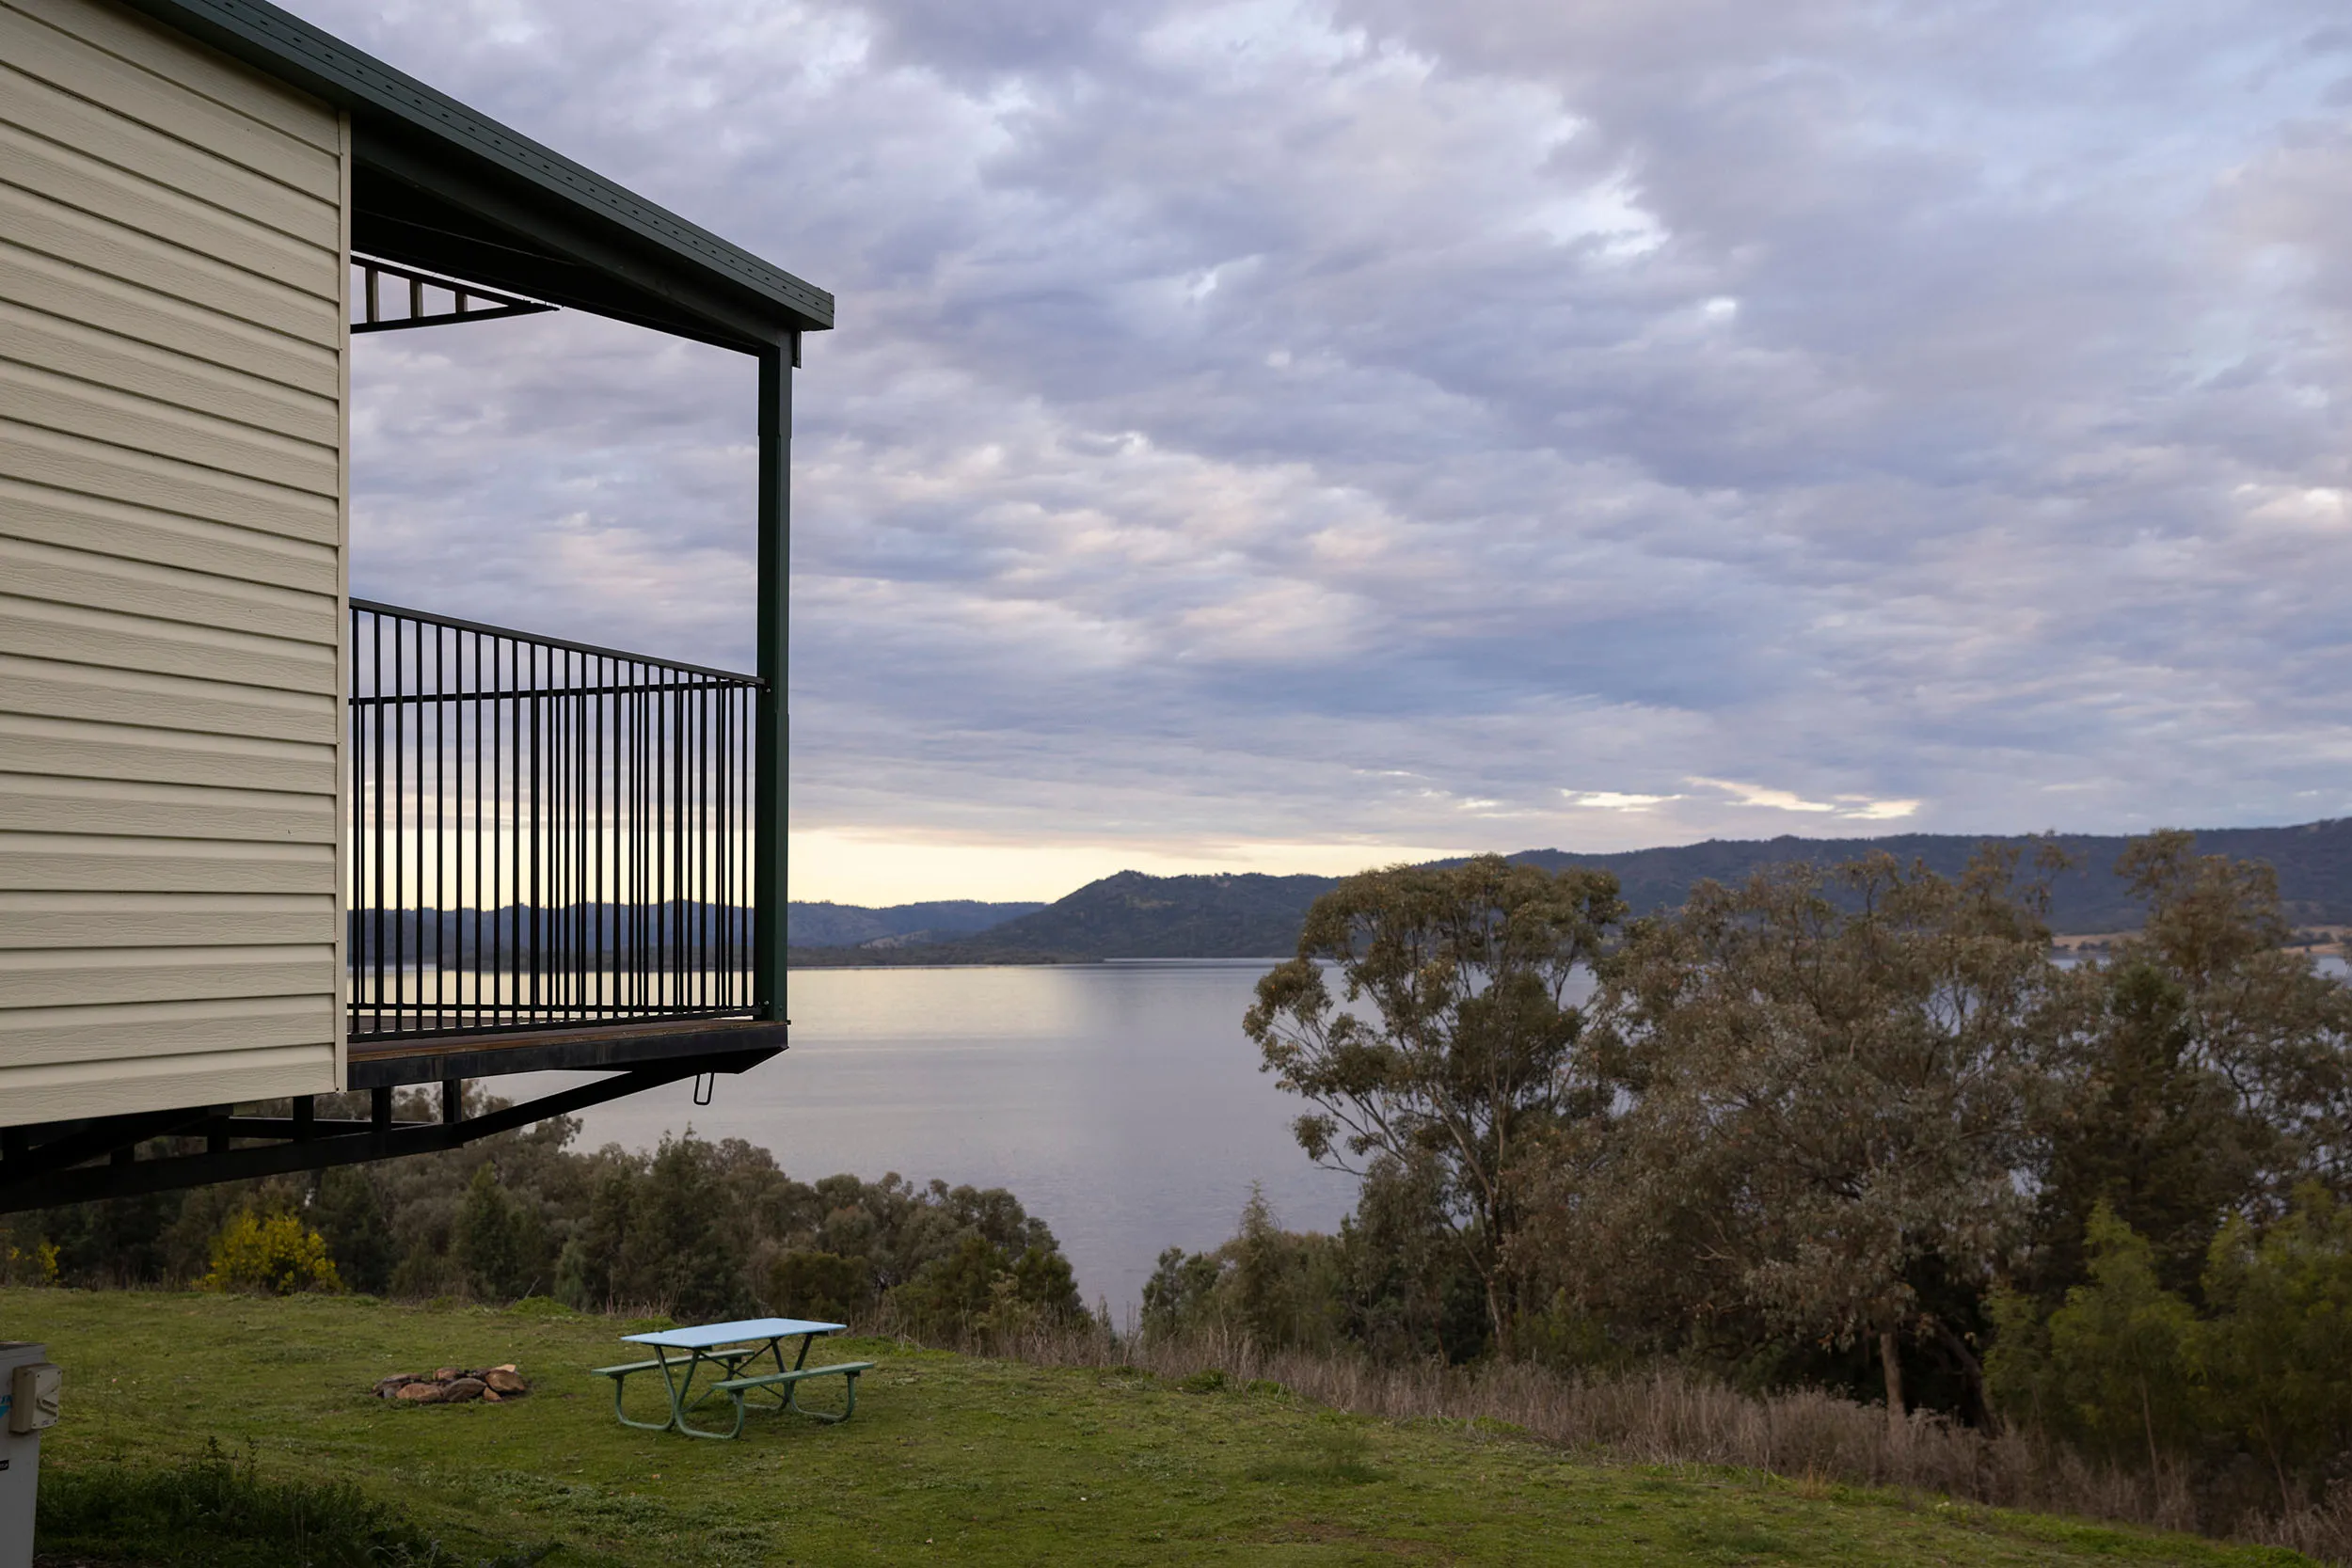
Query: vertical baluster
(439, 804)
(575, 849)
(734, 824)
(720, 991)
(705, 731)
(375, 821)
(510, 823)
(473, 647)
(641, 877)
(648, 925)
(669, 837)
(604, 702)
(690, 972)
(538, 856)
(559, 781)
(404, 639)
(745, 715)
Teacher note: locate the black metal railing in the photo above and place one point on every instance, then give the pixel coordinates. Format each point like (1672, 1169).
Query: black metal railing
(543, 832)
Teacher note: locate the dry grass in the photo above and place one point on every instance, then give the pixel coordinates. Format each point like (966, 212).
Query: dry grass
(1670, 1416)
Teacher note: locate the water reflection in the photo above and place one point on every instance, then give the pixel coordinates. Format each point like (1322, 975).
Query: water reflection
(1121, 1102)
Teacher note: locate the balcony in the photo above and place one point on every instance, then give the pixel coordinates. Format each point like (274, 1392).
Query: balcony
(550, 853)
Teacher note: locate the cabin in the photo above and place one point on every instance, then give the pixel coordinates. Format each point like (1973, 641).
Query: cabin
(261, 841)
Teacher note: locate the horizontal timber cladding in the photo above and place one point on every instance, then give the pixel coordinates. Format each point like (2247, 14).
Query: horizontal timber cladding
(173, 279)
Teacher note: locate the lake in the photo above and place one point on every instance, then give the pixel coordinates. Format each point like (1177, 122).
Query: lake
(1120, 1102)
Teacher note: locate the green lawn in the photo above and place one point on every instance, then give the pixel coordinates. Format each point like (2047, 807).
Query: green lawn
(950, 1459)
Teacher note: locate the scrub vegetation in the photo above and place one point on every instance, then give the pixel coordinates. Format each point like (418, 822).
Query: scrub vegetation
(702, 1229)
(1856, 1130)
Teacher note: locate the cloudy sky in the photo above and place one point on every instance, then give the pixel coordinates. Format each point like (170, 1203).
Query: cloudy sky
(1293, 437)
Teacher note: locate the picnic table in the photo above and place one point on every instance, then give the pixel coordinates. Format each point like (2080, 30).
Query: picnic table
(728, 1349)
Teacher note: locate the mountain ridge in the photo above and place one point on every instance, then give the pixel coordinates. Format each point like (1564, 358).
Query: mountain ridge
(1131, 914)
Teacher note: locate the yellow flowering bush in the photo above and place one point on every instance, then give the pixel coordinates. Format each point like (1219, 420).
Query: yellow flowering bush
(274, 1253)
(33, 1264)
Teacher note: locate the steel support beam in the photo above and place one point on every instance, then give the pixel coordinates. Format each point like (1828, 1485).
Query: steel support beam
(328, 1142)
(55, 1146)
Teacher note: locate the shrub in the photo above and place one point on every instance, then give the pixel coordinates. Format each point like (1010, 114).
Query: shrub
(2128, 1367)
(1180, 1296)
(812, 1284)
(1277, 1288)
(277, 1255)
(949, 1295)
(679, 1242)
(27, 1257)
(2115, 1366)
(349, 1209)
(2277, 1355)
(218, 1511)
(502, 1244)
(976, 1288)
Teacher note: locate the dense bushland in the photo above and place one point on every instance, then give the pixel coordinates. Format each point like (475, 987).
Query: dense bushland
(696, 1228)
(1855, 1130)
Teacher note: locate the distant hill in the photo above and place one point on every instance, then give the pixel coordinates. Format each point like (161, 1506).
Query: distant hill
(1132, 916)
(1128, 915)
(826, 924)
(2313, 862)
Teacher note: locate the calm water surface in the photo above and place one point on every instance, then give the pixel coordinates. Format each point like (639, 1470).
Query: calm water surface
(1120, 1102)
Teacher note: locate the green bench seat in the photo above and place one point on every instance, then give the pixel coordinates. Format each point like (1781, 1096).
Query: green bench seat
(735, 1388)
(625, 1370)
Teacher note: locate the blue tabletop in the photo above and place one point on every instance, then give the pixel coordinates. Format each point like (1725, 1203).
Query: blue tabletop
(703, 1336)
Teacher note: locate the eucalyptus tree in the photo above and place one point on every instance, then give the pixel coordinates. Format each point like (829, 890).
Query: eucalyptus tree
(1446, 1056)
(1825, 1082)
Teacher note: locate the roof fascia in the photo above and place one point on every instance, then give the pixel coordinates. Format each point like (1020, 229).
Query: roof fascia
(380, 98)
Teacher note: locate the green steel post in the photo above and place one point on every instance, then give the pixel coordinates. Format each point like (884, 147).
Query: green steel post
(775, 541)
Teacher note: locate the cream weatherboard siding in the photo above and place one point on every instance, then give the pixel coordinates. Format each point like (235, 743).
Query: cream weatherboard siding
(173, 432)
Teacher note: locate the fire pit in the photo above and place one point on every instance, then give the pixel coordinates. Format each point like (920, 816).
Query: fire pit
(455, 1385)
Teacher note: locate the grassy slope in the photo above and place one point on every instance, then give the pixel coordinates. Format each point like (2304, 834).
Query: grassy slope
(950, 1459)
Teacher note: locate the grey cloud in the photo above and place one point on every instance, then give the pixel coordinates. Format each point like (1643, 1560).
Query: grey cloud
(1273, 422)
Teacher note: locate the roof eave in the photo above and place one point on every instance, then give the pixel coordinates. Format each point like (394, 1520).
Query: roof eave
(387, 100)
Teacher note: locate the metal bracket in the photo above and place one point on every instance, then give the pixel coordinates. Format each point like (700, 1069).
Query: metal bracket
(473, 303)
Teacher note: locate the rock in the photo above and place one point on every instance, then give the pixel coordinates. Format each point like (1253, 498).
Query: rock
(455, 1385)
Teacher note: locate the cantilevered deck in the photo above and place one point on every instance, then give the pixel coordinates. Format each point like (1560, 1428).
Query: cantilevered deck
(551, 853)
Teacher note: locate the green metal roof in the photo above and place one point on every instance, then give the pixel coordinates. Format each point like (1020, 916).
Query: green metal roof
(437, 185)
